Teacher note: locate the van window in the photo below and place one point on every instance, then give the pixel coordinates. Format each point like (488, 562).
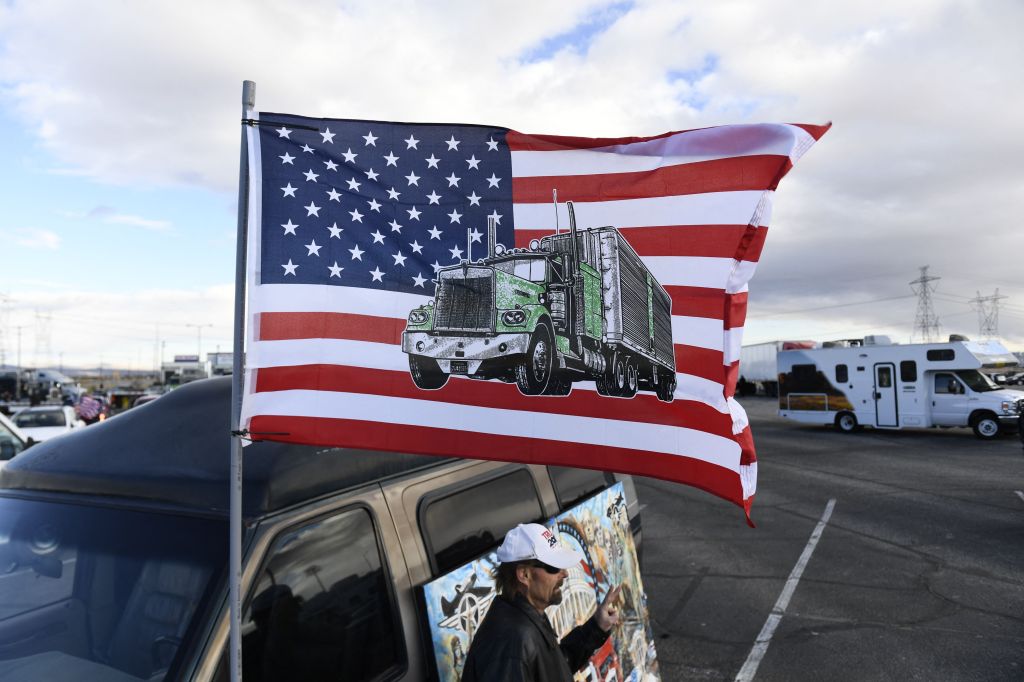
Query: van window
(463, 525)
(908, 371)
(941, 354)
(322, 607)
(842, 374)
(572, 485)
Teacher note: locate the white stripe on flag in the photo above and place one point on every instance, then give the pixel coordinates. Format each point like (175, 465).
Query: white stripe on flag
(715, 208)
(673, 440)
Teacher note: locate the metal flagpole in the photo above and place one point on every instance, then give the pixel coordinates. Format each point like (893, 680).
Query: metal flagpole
(235, 516)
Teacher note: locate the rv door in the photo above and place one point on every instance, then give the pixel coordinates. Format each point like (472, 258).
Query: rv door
(885, 395)
(949, 400)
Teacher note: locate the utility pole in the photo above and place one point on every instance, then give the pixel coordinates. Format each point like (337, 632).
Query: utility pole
(988, 314)
(925, 322)
(199, 347)
(17, 379)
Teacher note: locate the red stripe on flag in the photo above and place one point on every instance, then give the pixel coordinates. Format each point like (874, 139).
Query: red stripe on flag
(701, 362)
(290, 326)
(709, 241)
(424, 440)
(815, 131)
(644, 408)
(700, 177)
(710, 303)
(524, 142)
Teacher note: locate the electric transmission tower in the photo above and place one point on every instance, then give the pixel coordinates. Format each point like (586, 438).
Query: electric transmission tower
(926, 323)
(988, 314)
(43, 347)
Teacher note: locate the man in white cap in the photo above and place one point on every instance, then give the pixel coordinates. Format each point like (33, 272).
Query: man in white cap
(515, 642)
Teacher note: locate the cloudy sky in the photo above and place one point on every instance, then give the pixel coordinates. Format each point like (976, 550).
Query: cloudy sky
(119, 136)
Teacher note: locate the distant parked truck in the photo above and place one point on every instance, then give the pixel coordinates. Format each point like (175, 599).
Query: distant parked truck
(575, 306)
(874, 382)
(758, 364)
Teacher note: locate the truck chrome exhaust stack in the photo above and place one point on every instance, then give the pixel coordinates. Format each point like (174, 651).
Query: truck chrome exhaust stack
(492, 236)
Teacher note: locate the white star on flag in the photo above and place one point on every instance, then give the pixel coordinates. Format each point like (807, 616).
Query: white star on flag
(416, 248)
(357, 217)
(474, 200)
(284, 132)
(378, 238)
(394, 194)
(357, 253)
(331, 165)
(413, 179)
(392, 159)
(335, 231)
(455, 216)
(432, 161)
(287, 158)
(289, 267)
(374, 205)
(354, 184)
(377, 275)
(334, 195)
(313, 249)
(288, 190)
(371, 139)
(371, 174)
(350, 156)
(411, 142)
(414, 214)
(497, 217)
(399, 259)
(492, 146)
(289, 227)
(475, 236)
(453, 144)
(395, 226)
(328, 136)
(473, 162)
(456, 253)
(419, 279)
(310, 175)
(493, 180)
(453, 181)
(434, 198)
(335, 269)
(435, 233)
(306, 148)
(312, 210)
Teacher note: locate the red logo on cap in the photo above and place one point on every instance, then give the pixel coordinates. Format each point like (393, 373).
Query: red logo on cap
(552, 540)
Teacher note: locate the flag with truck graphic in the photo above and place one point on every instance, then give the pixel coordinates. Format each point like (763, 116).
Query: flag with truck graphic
(473, 291)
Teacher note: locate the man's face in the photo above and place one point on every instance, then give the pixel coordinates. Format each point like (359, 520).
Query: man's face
(544, 589)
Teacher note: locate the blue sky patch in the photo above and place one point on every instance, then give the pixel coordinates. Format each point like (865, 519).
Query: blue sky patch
(580, 36)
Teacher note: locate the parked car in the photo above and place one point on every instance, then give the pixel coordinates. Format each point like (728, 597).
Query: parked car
(12, 440)
(145, 398)
(44, 422)
(114, 554)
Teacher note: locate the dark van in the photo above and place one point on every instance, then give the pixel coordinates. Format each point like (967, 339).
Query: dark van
(114, 548)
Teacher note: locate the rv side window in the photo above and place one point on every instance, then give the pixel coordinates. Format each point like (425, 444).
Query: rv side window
(908, 371)
(941, 354)
(842, 374)
(947, 384)
(322, 608)
(465, 524)
(804, 373)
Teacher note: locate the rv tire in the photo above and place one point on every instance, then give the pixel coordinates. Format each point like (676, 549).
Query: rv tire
(846, 422)
(985, 425)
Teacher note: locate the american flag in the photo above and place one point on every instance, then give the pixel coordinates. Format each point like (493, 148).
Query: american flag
(351, 220)
(88, 408)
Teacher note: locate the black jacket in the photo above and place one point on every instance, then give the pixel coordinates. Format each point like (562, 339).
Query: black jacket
(516, 643)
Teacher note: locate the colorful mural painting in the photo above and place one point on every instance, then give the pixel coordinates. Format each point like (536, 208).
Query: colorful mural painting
(598, 527)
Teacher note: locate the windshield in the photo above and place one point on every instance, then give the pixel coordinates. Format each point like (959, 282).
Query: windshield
(532, 269)
(978, 382)
(33, 418)
(92, 593)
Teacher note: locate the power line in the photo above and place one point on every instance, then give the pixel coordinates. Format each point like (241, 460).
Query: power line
(830, 307)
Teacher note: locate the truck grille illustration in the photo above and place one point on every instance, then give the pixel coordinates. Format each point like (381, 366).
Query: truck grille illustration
(576, 306)
(465, 304)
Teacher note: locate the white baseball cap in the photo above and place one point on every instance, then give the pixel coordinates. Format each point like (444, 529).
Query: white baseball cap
(534, 541)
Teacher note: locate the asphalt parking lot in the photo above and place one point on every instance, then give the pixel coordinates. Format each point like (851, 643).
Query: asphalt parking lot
(918, 573)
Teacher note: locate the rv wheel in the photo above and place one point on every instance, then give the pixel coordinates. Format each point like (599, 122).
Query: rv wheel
(534, 372)
(425, 373)
(846, 422)
(986, 426)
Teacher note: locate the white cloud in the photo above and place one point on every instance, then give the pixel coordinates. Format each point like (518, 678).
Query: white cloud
(32, 238)
(921, 167)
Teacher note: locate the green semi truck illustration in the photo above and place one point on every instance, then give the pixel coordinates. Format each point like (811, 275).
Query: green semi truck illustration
(575, 306)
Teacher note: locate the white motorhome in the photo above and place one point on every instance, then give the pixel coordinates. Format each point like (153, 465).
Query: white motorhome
(874, 382)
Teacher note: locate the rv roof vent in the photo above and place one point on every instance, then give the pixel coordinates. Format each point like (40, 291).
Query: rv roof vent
(957, 337)
(877, 340)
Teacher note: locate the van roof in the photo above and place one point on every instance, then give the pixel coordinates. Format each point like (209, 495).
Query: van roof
(177, 450)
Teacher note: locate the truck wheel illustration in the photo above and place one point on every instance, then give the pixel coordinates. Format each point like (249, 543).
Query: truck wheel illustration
(618, 374)
(985, 425)
(558, 385)
(666, 389)
(425, 373)
(534, 372)
(632, 378)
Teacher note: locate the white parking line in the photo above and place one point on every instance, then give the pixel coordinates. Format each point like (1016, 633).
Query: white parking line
(749, 669)
(1020, 494)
